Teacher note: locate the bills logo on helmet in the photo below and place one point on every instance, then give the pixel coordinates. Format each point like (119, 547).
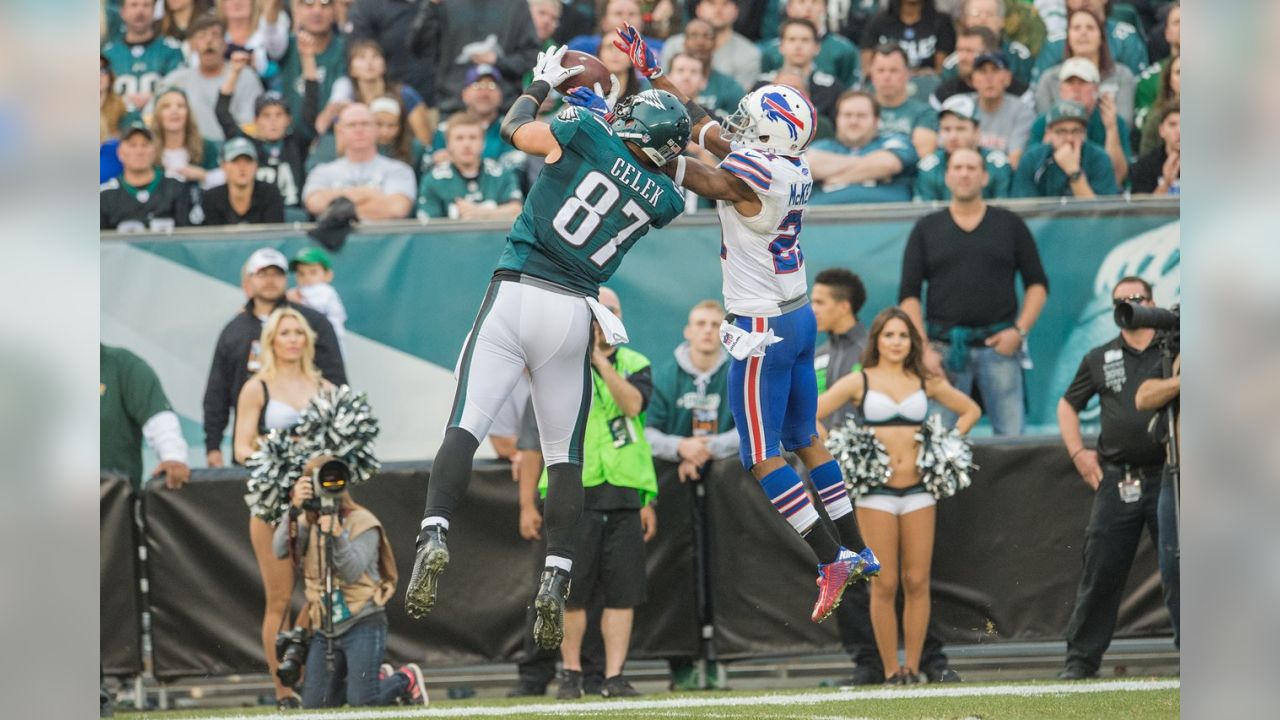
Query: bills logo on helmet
(777, 108)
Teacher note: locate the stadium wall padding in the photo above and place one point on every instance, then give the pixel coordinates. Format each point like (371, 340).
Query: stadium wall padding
(412, 291)
(1006, 563)
(120, 629)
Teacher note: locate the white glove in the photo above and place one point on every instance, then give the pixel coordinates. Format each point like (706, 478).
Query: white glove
(548, 67)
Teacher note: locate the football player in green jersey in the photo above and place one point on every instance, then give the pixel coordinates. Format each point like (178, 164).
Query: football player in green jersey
(141, 58)
(600, 190)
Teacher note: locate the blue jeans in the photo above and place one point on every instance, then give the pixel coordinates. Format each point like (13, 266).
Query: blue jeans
(998, 379)
(1167, 551)
(357, 655)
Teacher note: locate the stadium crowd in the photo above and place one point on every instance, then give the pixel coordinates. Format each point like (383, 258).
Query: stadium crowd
(265, 111)
(1075, 98)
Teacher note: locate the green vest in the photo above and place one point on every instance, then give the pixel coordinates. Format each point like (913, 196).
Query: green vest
(603, 461)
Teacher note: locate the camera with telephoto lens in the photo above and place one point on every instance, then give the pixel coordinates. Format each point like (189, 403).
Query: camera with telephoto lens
(1166, 323)
(291, 652)
(329, 479)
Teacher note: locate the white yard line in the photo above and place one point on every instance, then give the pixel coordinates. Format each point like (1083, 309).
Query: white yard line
(811, 698)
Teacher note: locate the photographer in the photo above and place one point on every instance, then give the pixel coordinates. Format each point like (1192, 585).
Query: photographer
(363, 579)
(1124, 472)
(1153, 396)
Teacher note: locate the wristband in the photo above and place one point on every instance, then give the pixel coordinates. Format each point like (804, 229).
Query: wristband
(695, 111)
(702, 134)
(1074, 454)
(678, 177)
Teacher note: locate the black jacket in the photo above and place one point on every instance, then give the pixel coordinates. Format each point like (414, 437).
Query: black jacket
(265, 206)
(443, 28)
(231, 357)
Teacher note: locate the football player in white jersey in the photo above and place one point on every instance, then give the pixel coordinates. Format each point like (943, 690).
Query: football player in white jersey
(762, 187)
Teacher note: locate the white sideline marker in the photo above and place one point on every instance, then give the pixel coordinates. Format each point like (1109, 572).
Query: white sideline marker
(811, 698)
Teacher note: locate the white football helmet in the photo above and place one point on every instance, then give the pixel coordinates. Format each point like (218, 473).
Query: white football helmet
(775, 118)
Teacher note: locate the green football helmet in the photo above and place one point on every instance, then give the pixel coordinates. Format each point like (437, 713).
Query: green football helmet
(656, 121)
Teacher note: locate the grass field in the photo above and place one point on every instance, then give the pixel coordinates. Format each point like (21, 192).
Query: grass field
(1128, 699)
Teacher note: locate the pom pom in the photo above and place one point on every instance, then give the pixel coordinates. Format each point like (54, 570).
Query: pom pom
(337, 422)
(273, 470)
(862, 458)
(945, 459)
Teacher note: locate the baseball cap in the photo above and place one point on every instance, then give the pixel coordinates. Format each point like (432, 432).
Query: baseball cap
(478, 71)
(311, 256)
(238, 147)
(962, 106)
(1064, 110)
(1079, 67)
(995, 57)
(136, 126)
(267, 99)
(265, 258)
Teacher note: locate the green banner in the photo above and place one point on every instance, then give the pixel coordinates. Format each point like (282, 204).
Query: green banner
(415, 289)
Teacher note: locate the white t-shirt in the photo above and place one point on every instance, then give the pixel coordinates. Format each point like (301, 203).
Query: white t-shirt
(390, 176)
(322, 298)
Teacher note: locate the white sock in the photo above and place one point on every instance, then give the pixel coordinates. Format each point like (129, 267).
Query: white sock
(435, 520)
(555, 561)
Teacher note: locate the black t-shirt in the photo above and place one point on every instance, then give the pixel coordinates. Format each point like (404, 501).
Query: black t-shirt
(970, 274)
(265, 206)
(151, 207)
(1113, 372)
(933, 34)
(1146, 173)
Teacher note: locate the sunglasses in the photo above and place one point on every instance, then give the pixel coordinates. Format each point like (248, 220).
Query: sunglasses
(1131, 299)
(316, 2)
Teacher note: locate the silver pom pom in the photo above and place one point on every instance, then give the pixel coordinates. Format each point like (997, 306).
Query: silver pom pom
(272, 471)
(945, 459)
(337, 422)
(863, 460)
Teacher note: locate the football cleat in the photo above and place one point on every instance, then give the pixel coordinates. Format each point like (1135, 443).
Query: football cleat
(548, 628)
(431, 558)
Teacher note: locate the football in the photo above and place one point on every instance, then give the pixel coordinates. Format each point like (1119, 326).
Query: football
(595, 72)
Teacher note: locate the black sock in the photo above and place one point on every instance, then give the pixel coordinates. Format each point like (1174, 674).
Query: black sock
(450, 472)
(850, 536)
(563, 508)
(821, 542)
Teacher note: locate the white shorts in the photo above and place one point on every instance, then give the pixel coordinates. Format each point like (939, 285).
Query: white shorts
(896, 504)
(522, 326)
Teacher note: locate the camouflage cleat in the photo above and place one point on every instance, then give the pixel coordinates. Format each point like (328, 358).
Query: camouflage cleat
(431, 559)
(548, 628)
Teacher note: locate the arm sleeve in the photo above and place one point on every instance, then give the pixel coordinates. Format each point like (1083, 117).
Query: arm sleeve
(1101, 174)
(664, 445)
(430, 204)
(352, 557)
(222, 109)
(217, 397)
(1028, 256)
(946, 34)
(902, 147)
(280, 540)
(163, 433)
(1082, 387)
(402, 182)
(924, 188)
(913, 266)
(723, 445)
(642, 380)
(508, 188)
(1024, 185)
(310, 110)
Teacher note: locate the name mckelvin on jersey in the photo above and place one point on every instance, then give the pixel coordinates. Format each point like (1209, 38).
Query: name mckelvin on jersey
(631, 176)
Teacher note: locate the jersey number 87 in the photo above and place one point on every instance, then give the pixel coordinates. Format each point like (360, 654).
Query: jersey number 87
(580, 216)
